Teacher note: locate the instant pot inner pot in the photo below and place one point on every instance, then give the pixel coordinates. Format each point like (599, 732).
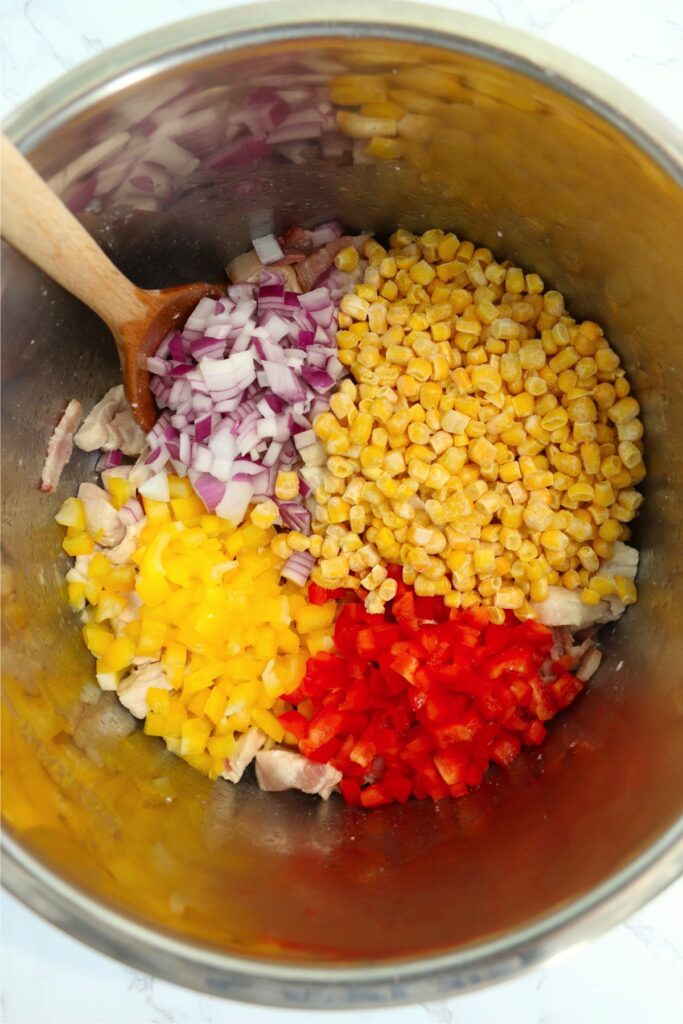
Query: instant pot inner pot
(514, 165)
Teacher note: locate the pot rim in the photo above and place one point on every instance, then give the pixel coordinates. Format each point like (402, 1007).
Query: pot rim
(257, 979)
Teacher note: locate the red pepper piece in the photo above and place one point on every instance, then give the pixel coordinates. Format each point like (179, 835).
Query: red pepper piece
(452, 765)
(460, 679)
(517, 659)
(458, 731)
(505, 749)
(565, 689)
(432, 609)
(397, 785)
(405, 665)
(534, 733)
(295, 723)
(374, 796)
(478, 616)
(370, 641)
(350, 790)
(432, 781)
(363, 752)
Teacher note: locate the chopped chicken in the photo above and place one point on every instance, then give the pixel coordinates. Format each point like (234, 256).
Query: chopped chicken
(132, 691)
(110, 425)
(624, 562)
(60, 446)
(246, 268)
(589, 664)
(314, 266)
(564, 607)
(101, 725)
(243, 754)
(102, 521)
(277, 770)
(122, 552)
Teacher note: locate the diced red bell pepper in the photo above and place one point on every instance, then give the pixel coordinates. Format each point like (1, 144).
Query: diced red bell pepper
(350, 790)
(534, 733)
(397, 785)
(375, 796)
(565, 689)
(319, 595)
(452, 765)
(418, 701)
(517, 659)
(371, 640)
(363, 752)
(505, 749)
(406, 665)
(295, 723)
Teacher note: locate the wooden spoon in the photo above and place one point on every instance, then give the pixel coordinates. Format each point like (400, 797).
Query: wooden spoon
(38, 224)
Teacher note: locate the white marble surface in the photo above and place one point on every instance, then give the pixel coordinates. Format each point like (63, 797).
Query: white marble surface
(633, 975)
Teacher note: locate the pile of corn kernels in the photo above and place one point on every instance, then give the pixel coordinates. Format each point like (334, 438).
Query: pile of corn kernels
(487, 442)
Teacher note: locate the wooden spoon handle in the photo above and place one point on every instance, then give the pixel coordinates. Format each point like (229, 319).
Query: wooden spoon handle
(36, 222)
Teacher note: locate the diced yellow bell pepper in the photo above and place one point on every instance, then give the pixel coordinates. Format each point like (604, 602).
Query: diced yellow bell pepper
(121, 490)
(152, 591)
(118, 655)
(157, 512)
(76, 595)
(215, 706)
(188, 509)
(179, 486)
(222, 746)
(152, 637)
(97, 639)
(198, 702)
(200, 762)
(120, 579)
(81, 544)
(110, 606)
(315, 617)
(194, 734)
(71, 514)
(159, 700)
(267, 721)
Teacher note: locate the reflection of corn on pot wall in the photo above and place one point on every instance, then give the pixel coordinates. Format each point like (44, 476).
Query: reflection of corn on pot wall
(173, 177)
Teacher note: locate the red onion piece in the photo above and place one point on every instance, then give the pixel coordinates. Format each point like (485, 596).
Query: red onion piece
(298, 567)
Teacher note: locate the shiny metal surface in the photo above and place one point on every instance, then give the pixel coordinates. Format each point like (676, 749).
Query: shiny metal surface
(276, 898)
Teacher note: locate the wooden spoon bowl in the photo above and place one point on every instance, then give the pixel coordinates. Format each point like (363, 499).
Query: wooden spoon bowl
(36, 222)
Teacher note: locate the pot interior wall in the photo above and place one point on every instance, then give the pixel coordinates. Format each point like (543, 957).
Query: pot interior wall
(515, 166)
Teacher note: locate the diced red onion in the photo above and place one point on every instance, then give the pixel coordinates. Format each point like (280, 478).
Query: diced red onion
(295, 516)
(209, 489)
(268, 249)
(298, 567)
(132, 512)
(243, 382)
(108, 460)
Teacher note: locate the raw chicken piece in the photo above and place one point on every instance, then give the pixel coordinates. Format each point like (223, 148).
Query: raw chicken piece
(246, 268)
(60, 446)
(101, 726)
(110, 425)
(315, 265)
(589, 664)
(102, 521)
(277, 770)
(132, 691)
(624, 562)
(564, 607)
(244, 753)
(123, 551)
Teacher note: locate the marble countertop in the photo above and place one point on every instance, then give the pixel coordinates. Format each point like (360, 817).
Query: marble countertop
(634, 974)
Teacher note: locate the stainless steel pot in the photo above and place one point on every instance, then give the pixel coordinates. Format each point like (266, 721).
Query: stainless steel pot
(276, 898)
